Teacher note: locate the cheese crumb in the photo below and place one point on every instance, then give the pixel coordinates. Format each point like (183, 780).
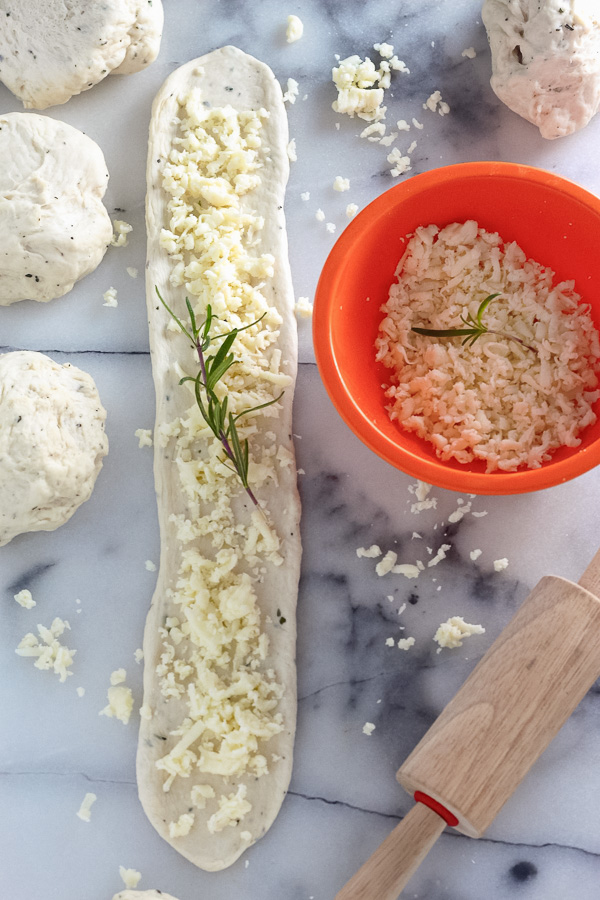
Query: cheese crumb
(303, 308)
(341, 184)
(402, 125)
(452, 633)
(150, 566)
(182, 826)
(144, 436)
(292, 91)
(132, 272)
(121, 230)
(440, 555)
(305, 195)
(406, 569)
(110, 297)
(351, 210)
(373, 132)
(138, 655)
(500, 564)
(406, 643)
(50, 653)
(120, 700)
(294, 30)
(389, 140)
(418, 124)
(80, 691)
(25, 599)
(368, 728)
(386, 51)
(200, 793)
(387, 563)
(459, 513)
(118, 676)
(401, 164)
(291, 151)
(371, 552)
(421, 491)
(330, 227)
(389, 642)
(475, 554)
(470, 53)
(232, 809)
(435, 103)
(320, 215)
(131, 877)
(84, 812)
(146, 712)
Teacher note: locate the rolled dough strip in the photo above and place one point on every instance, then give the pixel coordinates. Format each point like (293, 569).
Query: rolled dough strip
(226, 77)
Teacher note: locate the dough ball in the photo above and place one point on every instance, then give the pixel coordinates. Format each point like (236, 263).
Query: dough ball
(51, 50)
(54, 228)
(546, 60)
(52, 442)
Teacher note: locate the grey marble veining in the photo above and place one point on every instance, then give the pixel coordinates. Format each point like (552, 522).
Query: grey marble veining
(343, 800)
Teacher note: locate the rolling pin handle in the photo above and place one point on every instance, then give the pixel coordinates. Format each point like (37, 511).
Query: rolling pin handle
(390, 868)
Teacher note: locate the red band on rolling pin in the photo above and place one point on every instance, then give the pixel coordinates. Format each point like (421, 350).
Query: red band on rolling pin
(446, 815)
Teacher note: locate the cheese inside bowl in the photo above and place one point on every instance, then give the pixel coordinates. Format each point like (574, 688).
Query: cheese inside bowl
(554, 221)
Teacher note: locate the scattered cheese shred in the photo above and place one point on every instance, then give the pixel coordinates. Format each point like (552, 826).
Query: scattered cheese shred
(121, 230)
(303, 308)
(500, 564)
(371, 552)
(292, 91)
(110, 298)
(120, 699)
(84, 812)
(406, 643)
(440, 555)
(25, 599)
(341, 184)
(144, 436)
(368, 728)
(130, 877)
(294, 30)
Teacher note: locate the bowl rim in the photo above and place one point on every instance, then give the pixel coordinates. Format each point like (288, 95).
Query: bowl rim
(435, 472)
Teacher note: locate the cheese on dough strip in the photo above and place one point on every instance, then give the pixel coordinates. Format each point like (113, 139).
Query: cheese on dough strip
(216, 736)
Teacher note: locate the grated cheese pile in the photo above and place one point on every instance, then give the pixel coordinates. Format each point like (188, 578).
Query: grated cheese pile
(50, 653)
(496, 400)
(214, 653)
(360, 85)
(452, 633)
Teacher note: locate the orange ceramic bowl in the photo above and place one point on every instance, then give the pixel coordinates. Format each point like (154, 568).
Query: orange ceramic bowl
(555, 222)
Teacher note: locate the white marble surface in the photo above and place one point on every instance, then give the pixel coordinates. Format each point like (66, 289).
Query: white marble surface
(545, 845)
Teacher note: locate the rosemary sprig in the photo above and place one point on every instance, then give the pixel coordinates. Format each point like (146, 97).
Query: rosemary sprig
(475, 328)
(221, 421)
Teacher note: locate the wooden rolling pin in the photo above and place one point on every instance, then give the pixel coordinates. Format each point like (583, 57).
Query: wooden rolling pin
(483, 744)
